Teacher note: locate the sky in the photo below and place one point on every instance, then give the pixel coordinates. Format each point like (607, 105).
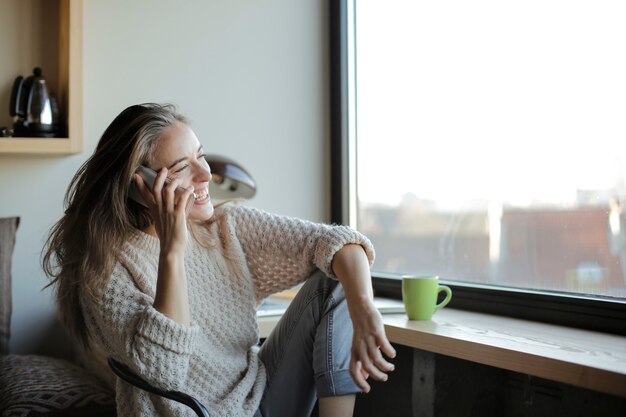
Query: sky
(509, 101)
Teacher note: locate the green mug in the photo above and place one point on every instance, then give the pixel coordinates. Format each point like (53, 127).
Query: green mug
(419, 295)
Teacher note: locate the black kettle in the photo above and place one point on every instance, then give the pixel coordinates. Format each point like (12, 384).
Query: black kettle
(35, 111)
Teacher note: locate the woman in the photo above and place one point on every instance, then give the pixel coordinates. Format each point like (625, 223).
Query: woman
(171, 289)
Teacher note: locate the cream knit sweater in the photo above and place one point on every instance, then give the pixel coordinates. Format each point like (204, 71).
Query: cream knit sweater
(215, 359)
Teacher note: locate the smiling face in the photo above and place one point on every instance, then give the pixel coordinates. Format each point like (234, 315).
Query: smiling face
(179, 150)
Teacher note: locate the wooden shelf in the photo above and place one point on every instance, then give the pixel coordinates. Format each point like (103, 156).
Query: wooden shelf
(69, 94)
(582, 358)
(39, 146)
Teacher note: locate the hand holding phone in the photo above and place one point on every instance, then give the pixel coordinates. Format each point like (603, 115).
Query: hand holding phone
(169, 218)
(149, 177)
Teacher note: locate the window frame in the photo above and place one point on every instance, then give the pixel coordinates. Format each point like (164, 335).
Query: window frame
(602, 314)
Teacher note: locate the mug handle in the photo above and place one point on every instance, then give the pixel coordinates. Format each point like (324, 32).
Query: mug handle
(446, 300)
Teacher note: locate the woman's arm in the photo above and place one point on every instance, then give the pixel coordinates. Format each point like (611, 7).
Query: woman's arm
(171, 296)
(282, 251)
(124, 324)
(167, 209)
(351, 266)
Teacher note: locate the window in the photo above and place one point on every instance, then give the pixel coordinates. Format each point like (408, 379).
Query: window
(486, 142)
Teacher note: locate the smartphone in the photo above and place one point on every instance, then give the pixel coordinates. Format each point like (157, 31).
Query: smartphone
(149, 176)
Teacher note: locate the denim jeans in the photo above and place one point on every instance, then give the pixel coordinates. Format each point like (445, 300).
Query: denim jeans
(307, 356)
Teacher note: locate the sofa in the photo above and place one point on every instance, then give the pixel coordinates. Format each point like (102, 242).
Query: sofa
(36, 385)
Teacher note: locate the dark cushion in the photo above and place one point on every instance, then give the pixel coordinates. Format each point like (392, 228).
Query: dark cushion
(32, 385)
(8, 228)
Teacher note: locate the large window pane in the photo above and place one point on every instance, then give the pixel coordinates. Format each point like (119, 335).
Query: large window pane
(491, 141)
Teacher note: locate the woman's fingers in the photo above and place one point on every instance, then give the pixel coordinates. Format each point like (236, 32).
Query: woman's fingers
(169, 194)
(157, 187)
(169, 205)
(380, 362)
(386, 347)
(369, 365)
(383, 346)
(179, 200)
(359, 375)
(366, 360)
(186, 200)
(367, 354)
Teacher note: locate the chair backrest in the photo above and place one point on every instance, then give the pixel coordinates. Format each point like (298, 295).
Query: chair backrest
(125, 373)
(8, 229)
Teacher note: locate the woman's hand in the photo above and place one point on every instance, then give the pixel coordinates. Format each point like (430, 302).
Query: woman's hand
(351, 267)
(369, 342)
(168, 208)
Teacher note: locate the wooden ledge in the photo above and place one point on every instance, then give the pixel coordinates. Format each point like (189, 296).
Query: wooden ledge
(586, 359)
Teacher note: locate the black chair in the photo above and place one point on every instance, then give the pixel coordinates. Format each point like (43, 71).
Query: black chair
(129, 376)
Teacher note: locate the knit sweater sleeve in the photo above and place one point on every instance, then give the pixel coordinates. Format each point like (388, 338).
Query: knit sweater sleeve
(123, 321)
(284, 251)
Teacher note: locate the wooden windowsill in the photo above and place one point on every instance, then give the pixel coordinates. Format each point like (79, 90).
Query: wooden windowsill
(586, 359)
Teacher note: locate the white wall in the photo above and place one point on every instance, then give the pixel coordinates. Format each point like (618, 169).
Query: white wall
(252, 77)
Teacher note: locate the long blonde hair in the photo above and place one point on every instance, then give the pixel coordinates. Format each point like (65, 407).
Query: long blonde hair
(79, 254)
